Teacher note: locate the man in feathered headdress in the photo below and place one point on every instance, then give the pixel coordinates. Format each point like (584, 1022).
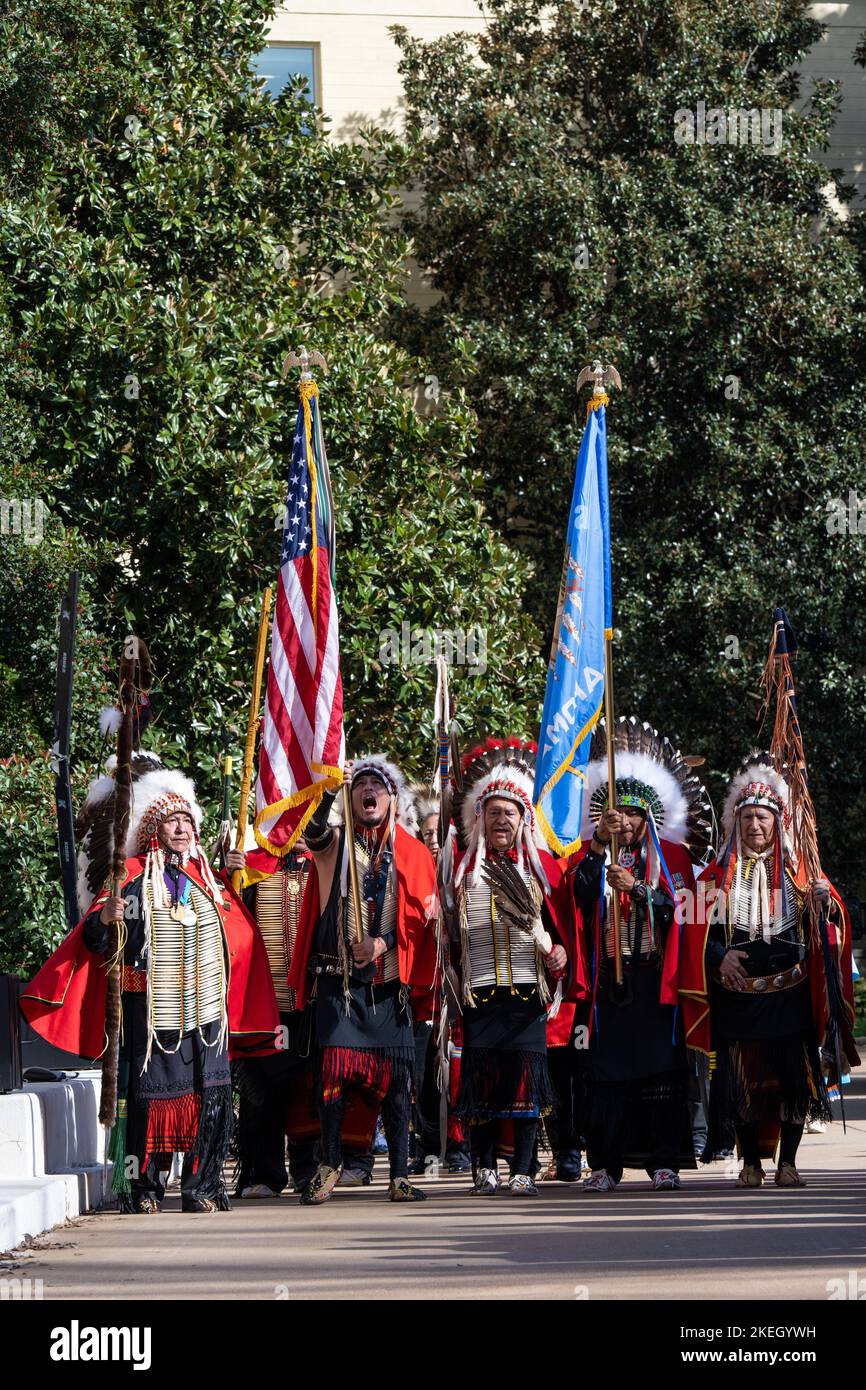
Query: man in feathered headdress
(194, 979)
(366, 990)
(754, 983)
(638, 1076)
(275, 1092)
(515, 932)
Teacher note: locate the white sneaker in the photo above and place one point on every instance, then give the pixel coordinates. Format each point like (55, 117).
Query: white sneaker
(522, 1185)
(599, 1180)
(486, 1183)
(355, 1177)
(816, 1127)
(258, 1189)
(666, 1180)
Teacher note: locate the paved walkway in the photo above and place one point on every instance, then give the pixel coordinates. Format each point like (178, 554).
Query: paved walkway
(708, 1241)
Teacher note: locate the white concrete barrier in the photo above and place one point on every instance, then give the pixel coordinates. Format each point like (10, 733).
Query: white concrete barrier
(52, 1150)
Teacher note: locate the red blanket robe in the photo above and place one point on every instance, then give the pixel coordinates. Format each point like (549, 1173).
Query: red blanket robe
(416, 925)
(65, 1002)
(694, 985)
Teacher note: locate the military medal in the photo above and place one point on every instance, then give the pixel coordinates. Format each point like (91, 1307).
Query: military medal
(182, 911)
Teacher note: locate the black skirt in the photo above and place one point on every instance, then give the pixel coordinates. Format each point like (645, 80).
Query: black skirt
(637, 1039)
(503, 1070)
(378, 1016)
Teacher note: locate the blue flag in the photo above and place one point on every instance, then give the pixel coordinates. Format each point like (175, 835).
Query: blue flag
(574, 697)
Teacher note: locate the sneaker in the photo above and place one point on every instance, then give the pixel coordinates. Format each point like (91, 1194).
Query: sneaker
(401, 1190)
(486, 1182)
(666, 1180)
(816, 1127)
(324, 1181)
(750, 1176)
(599, 1180)
(522, 1185)
(458, 1162)
(787, 1176)
(257, 1189)
(355, 1177)
(146, 1206)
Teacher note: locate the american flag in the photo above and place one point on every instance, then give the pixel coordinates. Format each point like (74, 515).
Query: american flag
(302, 748)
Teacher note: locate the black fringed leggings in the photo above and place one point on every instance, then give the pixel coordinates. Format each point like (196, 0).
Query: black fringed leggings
(789, 1142)
(396, 1109)
(483, 1141)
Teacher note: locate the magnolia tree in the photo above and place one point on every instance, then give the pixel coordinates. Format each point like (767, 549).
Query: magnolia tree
(170, 232)
(639, 182)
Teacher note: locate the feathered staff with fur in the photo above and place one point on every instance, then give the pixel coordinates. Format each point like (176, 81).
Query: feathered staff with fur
(134, 675)
(789, 757)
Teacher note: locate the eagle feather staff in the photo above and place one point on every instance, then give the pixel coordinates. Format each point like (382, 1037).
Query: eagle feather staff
(135, 676)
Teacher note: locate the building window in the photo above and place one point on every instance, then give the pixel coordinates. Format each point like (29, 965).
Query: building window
(280, 62)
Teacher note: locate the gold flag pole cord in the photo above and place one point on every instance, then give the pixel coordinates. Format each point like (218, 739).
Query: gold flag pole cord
(252, 730)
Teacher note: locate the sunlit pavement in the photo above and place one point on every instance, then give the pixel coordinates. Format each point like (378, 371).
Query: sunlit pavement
(707, 1241)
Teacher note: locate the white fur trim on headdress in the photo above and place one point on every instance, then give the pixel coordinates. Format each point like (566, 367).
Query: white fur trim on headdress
(756, 784)
(673, 825)
(394, 782)
(512, 784)
(425, 806)
(161, 785)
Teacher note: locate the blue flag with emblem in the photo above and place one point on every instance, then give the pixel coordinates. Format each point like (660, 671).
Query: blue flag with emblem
(574, 697)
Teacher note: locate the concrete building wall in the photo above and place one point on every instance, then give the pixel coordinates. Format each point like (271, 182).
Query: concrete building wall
(356, 61)
(357, 58)
(833, 58)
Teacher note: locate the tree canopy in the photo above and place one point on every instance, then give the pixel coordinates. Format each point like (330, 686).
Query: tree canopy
(564, 216)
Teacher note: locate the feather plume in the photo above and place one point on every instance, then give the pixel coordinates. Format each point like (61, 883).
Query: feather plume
(511, 895)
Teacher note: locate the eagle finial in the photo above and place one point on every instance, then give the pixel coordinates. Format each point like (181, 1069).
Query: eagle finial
(305, 360)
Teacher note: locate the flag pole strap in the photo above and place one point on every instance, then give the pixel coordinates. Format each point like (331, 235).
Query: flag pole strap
(252, 729)
(353, 863)
(611, 796)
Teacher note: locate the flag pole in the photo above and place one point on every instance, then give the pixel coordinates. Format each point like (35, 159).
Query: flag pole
(353, 862)
(611, 784)
(601, 376)
(252, 729)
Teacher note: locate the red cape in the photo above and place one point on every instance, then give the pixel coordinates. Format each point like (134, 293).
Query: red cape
(416, 930)
(682, 872)
(65, 1002)
(694, 992)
